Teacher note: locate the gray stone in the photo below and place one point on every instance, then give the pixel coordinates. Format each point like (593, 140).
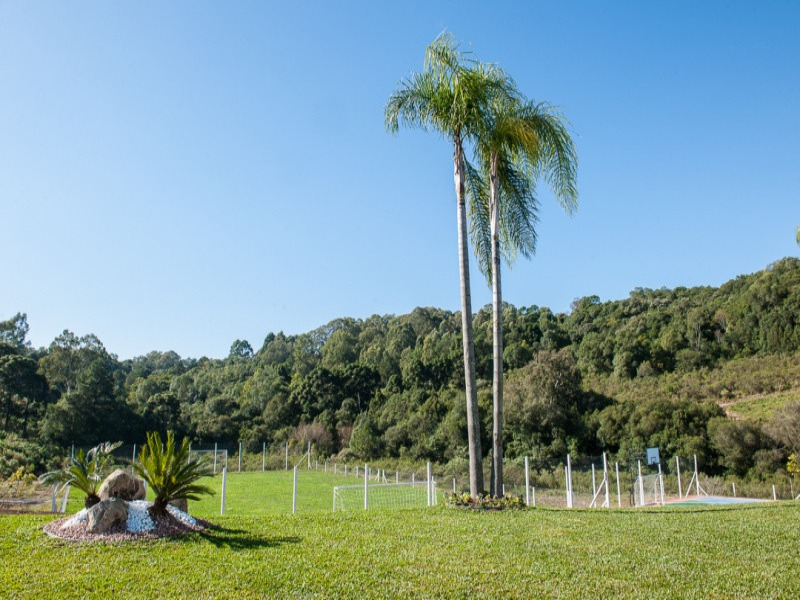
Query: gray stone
(106, 514)
(182, 504)
(121, 485)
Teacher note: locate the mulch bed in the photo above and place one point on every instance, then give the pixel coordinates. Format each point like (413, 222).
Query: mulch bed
(165, 527)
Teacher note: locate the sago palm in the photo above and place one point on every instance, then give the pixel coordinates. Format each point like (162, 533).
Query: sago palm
(170, 472)
(86, 471)
(519, 143)
(450, 96)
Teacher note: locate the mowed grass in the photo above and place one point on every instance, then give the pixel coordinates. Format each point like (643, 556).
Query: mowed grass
(763, 407)
(737, 552)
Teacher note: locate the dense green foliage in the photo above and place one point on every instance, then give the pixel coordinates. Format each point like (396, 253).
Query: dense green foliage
(651, 369)
(688, 552)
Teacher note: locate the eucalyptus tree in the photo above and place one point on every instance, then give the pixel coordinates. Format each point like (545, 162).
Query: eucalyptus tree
(519, 143)
(450, 96)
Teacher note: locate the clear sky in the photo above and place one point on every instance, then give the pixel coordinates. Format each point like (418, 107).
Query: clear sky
(177, 175)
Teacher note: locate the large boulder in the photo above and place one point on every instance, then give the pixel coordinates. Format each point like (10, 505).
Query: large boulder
(106, 514)
(121, 485)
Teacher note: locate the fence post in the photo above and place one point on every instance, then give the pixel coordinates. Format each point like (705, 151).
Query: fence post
(134, 458)
(733, 484)
(72, 456)
(678, 467)
(294, 491)
(309, 455)
(661, 483)
(224, 484)
(774, 495)
(287, 455)
(189, 457)
(527, 484)
(53, 501)
(66, 497)
(569, 482)
(429, 483)
(607, 503)
(226, 458)
(215, 458)
(594, 484)
(641, 483)
(397, 476)
(366, 485)
(619, 496)
(566, 479)
(697, 476)
(533, 494)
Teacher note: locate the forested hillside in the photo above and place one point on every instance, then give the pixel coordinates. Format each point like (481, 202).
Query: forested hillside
(651, 369)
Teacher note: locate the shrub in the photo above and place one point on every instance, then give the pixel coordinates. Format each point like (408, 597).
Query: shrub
(170, 472)
(85, 471)
(485, 501)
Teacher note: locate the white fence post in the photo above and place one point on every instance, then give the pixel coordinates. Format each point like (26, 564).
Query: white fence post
(294, 491)
(569, 482)
(224, 485)
(287, 455)
(527, 484)
(678, 468)
(429, 484)
(641, 484)
(697, 476)
(533, 496)
(733, 485)
(366, 485)
(66, 497)
(309, 455)
(264, 458)
(607, 503)
(215, 458)
(53, 500)
(661, 483)
(774, 495)
(619, 496)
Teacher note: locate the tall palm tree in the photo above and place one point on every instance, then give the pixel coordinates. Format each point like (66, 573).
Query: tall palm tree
(519, 143)
(450, 96)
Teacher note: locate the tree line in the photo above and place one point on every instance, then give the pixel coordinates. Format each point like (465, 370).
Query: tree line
(613, 376)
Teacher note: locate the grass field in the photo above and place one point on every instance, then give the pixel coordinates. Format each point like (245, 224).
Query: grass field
(761, 408)
(692, 552)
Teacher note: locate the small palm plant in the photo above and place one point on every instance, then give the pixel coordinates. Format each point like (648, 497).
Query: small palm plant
(170, 472)
(85, 471)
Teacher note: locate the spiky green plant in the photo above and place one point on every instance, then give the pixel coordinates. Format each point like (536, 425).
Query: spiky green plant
(170, 472)
(86, 471)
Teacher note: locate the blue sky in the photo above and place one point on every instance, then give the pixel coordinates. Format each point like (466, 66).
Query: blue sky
(174, 176)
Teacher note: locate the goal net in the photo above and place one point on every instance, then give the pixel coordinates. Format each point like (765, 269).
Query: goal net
(647, 490)
(384, 495)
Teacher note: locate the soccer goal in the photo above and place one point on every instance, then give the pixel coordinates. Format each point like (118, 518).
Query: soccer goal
(384, 495)
(647, 490)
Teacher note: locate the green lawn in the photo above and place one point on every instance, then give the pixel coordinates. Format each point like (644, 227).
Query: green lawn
(693, 552)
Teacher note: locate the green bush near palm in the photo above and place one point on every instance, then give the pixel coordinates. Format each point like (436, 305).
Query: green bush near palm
(170, 472)
(86, 471)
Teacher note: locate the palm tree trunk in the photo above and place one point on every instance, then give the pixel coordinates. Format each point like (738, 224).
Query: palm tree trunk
(473, 421)
(497, 335)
